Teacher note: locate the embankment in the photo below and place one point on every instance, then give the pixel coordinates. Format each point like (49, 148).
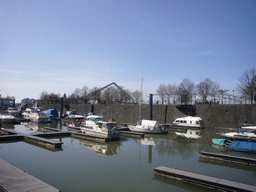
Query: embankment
(212, 115)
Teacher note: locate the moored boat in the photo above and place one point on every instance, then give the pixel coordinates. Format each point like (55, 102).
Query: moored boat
(221, 142)
(92, 115)
(188, 121)
(39, 117)
(29, 111)
(246, 133)
(13, 111)
(244, 146)
(73, 115)
(53, 114)
(105, 128)
(6, 119)
(148, 127)
(97, 126)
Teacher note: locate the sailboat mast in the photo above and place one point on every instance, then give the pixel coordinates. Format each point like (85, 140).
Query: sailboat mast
(140, 98)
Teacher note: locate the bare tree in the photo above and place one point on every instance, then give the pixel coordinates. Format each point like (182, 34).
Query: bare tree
(161, 91)
(207, 88)
(54, 98)
(171, 91)
(49, 98)
(136, 94)
(185, 91)
(83, 93)
(96, 96)
(44, 97)
(247, 84)
(110, 94)
(222, 93)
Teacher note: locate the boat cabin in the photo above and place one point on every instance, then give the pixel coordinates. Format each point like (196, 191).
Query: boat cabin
(189, 121)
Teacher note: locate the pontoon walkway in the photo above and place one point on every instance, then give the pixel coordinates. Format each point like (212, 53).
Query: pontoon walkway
(203, 180)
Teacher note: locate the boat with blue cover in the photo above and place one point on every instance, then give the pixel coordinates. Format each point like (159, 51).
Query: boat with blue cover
(246, 146)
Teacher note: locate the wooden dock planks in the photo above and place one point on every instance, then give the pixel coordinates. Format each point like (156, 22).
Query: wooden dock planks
(203, 180)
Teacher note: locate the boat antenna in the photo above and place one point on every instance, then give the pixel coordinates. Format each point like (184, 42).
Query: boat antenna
(140, 98)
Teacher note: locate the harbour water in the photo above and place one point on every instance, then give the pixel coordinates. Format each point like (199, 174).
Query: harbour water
(124, 165)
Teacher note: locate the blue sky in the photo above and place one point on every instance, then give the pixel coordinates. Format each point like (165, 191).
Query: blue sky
(58, 46)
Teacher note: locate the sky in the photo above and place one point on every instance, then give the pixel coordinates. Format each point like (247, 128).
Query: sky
(60, 45)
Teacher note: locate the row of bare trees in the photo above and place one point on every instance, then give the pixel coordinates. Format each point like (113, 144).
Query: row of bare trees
(206, 91)
(186, 90)
(79, 96)
(209, 91)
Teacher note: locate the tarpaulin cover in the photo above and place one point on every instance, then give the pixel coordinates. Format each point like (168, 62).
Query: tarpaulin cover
(52, 113)
(243, 146)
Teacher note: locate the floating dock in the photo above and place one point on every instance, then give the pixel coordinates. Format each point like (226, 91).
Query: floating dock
(16, 180)
(229, 158)
(12, 135)
(41, 138)
(203, 180)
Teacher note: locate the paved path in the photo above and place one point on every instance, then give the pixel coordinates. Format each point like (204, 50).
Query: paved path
(12, 179)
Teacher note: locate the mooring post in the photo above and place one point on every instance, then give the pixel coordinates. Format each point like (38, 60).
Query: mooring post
(165, 114)
(92, 108)
(151, 105)
(61, 107)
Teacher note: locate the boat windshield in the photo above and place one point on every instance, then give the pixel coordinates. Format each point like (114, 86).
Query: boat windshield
(94, 120)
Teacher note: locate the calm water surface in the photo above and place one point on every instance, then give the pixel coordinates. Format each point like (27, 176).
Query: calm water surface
(124, 165)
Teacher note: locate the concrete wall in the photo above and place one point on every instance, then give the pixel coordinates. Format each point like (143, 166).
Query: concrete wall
(212, 115)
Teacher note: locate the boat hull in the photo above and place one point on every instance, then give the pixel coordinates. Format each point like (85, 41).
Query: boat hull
(187, 125)
(111, 136)
(7, 119)
(146, 131)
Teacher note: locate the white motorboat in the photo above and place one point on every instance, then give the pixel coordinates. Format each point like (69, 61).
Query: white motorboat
(92, 115)
(191, 134)
(73, 115)
(6, 119)
(148, 126)
(39, 117)
(13, 111)
(106, 128)
(247, 133)
(28, 111)
(188, 121)
(98, 127)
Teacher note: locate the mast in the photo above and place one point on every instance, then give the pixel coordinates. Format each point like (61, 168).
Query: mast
(140, 98)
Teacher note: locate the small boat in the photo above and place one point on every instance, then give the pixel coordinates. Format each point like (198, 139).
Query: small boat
(191, 134)
(246, 133)
(28, 111)
(39, 117)
(148, 127)
(13, 111)
(105, 128)
(7, 119)
(92, 115)
(245, 146)
(222, 142)
(97, 126)
(73, 115)
(188, 121)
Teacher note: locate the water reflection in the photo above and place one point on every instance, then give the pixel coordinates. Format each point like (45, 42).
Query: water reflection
(190, 133)
(128, 162)
(106, 149)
